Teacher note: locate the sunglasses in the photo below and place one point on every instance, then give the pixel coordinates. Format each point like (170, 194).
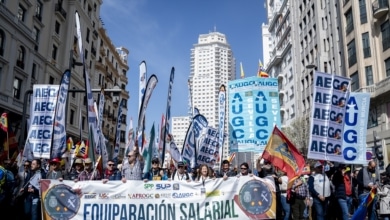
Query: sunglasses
(110, 164)
(243, 168)
(181, 167)
(130, 155)
(154, 162)
(53, 164)
(26, 165)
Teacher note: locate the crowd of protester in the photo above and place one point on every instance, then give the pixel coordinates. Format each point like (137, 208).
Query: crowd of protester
(328, 192)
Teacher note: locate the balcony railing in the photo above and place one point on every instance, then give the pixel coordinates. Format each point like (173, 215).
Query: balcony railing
(380, 8)
(60, 10)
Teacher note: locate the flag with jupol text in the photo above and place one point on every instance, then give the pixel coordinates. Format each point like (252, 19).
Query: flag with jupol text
(4, 122)
(283, 154)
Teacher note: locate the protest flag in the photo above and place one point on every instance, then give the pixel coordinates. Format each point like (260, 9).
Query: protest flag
(361, 212)
(4, 122)
(260, 72)
(283, 154)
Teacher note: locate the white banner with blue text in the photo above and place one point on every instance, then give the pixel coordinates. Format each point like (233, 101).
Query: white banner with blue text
(235, 198)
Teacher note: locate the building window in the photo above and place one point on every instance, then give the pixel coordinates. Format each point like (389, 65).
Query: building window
(51, 80)
(354, 81)
(17, 87)
(38, 10)
(21, 13)
(363, 11)
(57, 27)
(71, 118)
(34, 71)
(54, 52)
(366, 45)
(20, 60)
(349, 21)
(385, 29)
(387, 64)
(369, 76)
(87, 37)
(351, 53)
(2, 42)
(35, 34)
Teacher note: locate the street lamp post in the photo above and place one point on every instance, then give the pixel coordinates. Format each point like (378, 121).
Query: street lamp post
(30, 91)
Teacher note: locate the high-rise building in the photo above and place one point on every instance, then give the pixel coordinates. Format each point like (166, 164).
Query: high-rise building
(179, 130)
(38, 42)
(212, 64)
(277, 39)
(366, 33)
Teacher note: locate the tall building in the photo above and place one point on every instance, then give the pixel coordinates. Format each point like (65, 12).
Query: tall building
(179, 130)
(38, 43)
(366, 33)
(212, 64)
(278, 41)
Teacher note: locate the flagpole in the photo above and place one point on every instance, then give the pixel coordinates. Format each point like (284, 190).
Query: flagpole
(8, 146)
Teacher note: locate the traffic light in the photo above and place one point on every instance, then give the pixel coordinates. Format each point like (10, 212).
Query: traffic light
(378, 150)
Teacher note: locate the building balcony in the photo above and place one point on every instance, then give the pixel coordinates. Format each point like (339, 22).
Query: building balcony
(276, 16)
(380, 8)
(60, 11)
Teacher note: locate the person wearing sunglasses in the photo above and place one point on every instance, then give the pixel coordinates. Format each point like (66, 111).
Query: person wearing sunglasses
(155, 173)
(133, 169)
(244, 170)
(111, 172)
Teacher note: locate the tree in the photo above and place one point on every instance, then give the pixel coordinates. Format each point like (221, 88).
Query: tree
(298, 132)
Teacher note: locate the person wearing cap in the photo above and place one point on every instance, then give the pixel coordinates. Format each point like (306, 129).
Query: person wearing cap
(300, 193)
(155, 173)
(89, 173)
(343, 189)
(180, 174)
(225, 171)
(319, 187)
(55, 172)
(111, 172)
(77, 168)
(283, 195)
(367, 179)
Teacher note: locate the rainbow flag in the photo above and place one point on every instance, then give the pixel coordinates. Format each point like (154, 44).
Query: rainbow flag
(4, 122)
(283, 154)
(361, 212)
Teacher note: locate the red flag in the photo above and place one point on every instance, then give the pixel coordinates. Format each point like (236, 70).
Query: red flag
(283, 154)
(4, 122)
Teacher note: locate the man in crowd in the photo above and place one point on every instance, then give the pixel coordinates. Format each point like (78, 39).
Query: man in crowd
(180, 174)
(300, 193)
(155, 173)
(111, 172)
(343, 189)
(32, 203)
(367, 179)
(89, 173)
(76, 170)
(55, 171)
(225, 172)
(319, 187)
(132, 170)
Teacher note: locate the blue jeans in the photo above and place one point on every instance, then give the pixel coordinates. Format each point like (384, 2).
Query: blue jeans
(32, 207)
(321, 207)
(344, 205)
(371, 213)
(286, 206)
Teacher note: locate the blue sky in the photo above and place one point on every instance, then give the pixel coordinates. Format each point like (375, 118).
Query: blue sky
(163, 32)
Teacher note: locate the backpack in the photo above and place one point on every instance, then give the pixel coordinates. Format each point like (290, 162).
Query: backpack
(174, 174)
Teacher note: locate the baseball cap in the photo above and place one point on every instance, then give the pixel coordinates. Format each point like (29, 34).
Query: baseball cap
(87, 160)
(180, 164)
(78, 161)
(55, 160)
